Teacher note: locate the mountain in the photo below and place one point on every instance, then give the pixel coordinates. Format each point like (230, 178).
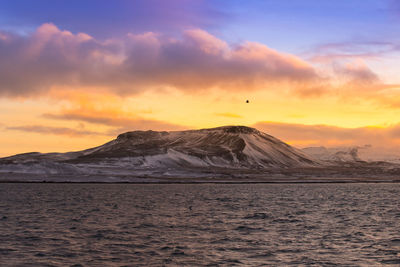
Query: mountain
(229, 147)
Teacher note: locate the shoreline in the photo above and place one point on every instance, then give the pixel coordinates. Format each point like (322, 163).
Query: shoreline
(210, 182)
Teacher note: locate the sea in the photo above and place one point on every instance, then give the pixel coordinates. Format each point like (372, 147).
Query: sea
(43, 224)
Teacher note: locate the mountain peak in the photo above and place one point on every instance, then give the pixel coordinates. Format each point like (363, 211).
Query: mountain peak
(141, 134)
(235, 129)
(230, 129)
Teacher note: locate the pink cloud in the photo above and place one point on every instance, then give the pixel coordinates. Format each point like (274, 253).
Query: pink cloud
(31, 65)
(357, 71)
(197, 61)
(208, 43)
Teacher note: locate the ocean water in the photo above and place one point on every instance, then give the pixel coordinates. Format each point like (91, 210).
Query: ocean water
(199, 225)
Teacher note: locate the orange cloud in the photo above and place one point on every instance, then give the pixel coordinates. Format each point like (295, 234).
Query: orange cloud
(55, 130)
(324, 135)
(118, 120)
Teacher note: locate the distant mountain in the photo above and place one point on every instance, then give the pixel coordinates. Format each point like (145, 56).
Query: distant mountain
(343, 154)
(366, 153)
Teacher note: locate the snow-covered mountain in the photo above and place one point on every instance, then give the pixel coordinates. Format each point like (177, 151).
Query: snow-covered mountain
(342, 154)
(229, 147)
(366, 153)
(229, 153)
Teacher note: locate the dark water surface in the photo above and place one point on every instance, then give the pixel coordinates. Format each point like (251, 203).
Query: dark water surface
(199, 225)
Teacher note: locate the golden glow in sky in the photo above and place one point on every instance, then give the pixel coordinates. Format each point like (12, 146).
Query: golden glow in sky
(65, 91)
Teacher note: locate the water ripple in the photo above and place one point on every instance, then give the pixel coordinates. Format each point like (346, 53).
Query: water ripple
(199, 225)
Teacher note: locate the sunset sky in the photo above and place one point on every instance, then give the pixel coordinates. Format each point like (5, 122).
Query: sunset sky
(74, 74)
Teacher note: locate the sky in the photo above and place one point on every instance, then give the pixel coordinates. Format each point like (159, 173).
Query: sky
(75, 74)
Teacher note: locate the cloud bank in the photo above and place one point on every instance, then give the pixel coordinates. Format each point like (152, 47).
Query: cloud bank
(33, 64)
